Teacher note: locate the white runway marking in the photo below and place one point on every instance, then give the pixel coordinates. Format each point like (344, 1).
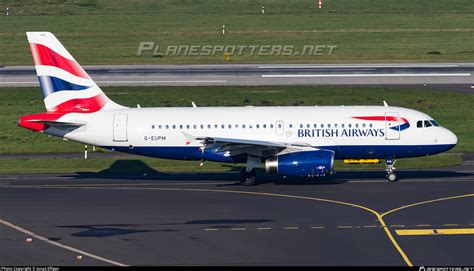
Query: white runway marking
(355, 66)
(44, 239)
(364, 75)
(164, 81)
(132, 81)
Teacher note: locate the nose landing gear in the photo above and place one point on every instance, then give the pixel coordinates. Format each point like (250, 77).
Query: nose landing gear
(390, 169)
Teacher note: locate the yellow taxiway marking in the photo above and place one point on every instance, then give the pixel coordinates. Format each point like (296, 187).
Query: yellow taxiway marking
(425, 202)
(435, 231)
(377, 214)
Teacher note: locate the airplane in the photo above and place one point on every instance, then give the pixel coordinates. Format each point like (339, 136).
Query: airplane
(290, 141)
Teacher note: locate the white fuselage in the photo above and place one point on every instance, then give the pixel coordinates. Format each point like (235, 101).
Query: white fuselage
(377, 132)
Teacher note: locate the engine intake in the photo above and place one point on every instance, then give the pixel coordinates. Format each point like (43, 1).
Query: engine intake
(303, 163)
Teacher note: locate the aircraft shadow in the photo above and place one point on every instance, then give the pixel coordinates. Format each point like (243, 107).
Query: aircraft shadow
(107, 230)
(138, 170)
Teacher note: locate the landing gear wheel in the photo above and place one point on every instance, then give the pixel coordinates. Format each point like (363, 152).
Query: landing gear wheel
(248, 178)
(392, 177)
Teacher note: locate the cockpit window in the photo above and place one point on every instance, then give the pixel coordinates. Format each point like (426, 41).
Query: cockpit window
(434, 123)
(419, 124)
(427, 123)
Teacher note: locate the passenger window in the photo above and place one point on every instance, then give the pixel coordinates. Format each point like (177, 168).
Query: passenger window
(370, 125)
(342, 125)
(180, 126)
(236, 126)
(291, 125)
(264, 126)
(329, 125)
(427, 123)
(419, 124)
(216, 126)
(322, 125)
(349, 125)
(194, 126)
(230, 126)
(222, 126)
(301, 125)
(257, 126)
(174, 126)
(357, 125)
(208, 126)
(243, 126)
(335, 125)
(315, 125)
(187, 126)
(153, 127)
(167, 126)
(271, 125)
(159, 126)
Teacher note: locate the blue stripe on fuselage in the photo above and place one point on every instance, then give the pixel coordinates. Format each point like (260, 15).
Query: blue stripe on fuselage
(342, 152)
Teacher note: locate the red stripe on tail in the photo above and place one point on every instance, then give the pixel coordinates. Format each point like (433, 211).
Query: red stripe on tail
(84, 105)
(43, 55)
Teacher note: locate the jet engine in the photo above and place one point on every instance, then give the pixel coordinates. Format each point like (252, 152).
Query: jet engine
(301, 163)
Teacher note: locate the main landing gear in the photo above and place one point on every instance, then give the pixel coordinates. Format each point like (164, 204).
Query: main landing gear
(247, 177)
(391, 173)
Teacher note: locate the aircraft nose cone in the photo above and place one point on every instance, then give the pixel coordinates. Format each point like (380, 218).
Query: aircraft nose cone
(452, 138)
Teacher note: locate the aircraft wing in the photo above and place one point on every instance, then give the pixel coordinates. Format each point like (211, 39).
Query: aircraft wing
(237, 146)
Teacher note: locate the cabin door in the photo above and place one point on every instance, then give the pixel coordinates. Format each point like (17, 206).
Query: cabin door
(120, 127)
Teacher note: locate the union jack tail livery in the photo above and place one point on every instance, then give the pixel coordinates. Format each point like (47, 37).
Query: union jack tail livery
(65, 86)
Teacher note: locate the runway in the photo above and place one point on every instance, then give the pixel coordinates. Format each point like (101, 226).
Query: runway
(352, 218)
(456, 76)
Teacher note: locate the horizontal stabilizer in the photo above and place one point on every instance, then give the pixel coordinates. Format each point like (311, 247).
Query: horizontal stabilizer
(58, 123)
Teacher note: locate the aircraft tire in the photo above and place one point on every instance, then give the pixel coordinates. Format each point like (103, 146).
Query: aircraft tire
(392, 177)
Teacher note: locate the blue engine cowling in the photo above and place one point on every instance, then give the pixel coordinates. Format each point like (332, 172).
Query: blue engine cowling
(302, 163)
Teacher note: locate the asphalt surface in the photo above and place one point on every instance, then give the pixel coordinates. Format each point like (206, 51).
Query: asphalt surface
(451, 76)
(208, 219)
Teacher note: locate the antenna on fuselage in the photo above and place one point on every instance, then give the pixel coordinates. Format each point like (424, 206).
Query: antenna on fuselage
(194, 105)
(385, 103)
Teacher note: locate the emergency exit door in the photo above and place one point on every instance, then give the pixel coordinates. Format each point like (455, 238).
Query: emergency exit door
(280, 128)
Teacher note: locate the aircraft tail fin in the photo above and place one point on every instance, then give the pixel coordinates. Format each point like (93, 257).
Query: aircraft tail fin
(65, 85)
